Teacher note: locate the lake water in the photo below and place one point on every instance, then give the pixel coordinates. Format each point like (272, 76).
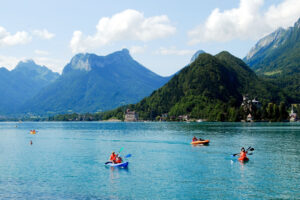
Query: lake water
(66, 161)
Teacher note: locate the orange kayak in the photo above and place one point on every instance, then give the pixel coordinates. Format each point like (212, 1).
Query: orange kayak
(200, 142)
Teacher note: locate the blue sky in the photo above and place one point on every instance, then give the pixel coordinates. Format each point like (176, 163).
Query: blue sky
(161, 35)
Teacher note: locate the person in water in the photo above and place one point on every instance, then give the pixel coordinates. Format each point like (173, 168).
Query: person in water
(112, 157)
(194, 139)
(30, 142)
(118, 159)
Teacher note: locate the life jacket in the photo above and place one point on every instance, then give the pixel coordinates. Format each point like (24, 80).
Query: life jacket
(119, 160)
(112, 157)
(243, 155)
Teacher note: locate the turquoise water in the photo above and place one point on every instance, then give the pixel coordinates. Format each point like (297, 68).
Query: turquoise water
(66, 160)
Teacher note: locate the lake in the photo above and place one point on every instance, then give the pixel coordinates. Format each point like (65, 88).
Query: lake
(66, 161)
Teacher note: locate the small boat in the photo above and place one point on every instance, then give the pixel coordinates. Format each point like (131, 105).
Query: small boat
(200, 142)
(32, 132)
(123, 165)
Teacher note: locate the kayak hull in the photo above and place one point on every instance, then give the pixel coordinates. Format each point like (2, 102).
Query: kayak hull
(123, 165)
(244, 159)
(201, 142)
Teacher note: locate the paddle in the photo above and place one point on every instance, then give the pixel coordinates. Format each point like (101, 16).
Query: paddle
(128, 156)
(249, 149)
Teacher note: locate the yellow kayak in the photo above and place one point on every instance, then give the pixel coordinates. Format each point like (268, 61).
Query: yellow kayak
(200, 142)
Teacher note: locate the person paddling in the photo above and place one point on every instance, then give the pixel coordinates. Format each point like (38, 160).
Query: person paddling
(112, 157)
(118, 159)
(194, 139)
(243, 154)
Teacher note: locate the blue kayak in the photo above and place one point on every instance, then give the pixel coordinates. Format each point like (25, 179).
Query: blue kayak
(124, 164)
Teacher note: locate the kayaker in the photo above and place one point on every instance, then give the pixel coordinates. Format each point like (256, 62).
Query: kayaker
(194, 139)
(243, 154)
(113, 157)
(200, 139)
(118, 159)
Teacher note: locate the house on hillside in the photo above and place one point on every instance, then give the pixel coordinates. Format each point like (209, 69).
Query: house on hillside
(183, 117)
(249, 118)
(248, 104)
(293, 115)
(131, 116)
(164, 117)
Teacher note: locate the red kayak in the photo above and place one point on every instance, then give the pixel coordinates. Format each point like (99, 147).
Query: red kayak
(243, 158)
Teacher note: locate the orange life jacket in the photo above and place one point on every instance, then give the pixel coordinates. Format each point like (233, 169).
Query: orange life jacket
(243, 154)
(112, 157)
(119, 160)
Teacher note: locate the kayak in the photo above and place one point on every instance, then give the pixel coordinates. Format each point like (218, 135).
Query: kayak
(124, 164)
(200, 142)
(243, 158)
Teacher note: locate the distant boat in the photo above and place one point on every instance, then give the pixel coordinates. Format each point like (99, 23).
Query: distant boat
(32, 132)
(199, 120)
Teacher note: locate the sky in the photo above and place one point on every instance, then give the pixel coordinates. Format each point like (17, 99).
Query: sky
(161, 35)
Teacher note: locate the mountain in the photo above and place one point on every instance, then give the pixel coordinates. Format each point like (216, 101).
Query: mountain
(195, 56)
(91, 83)
(211, 87)
(276, 53)
(276, 57)
(22, 83)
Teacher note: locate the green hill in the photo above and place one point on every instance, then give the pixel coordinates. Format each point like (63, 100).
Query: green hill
(211, 87)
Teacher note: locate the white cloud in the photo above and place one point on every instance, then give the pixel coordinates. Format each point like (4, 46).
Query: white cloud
(173, 51)
(41, 52)
(44, 34)
(137, 49)
(248, 21)
(127, 25)
(8, 39)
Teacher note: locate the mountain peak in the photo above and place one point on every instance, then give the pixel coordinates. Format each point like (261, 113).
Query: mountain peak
(126, 51)
(195, 56)
(26, 64)
(297, 24)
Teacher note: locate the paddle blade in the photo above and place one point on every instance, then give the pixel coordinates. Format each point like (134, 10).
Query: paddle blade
(127, 156)
(121, 149)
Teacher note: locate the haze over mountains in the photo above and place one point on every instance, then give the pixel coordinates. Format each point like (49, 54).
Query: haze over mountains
(22, 83)
(89, 83)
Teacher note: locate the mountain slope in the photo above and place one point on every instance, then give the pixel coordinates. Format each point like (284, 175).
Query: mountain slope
(211, 87)
(20, 84)
(90, 83)
(279, 60)
(277, 53)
